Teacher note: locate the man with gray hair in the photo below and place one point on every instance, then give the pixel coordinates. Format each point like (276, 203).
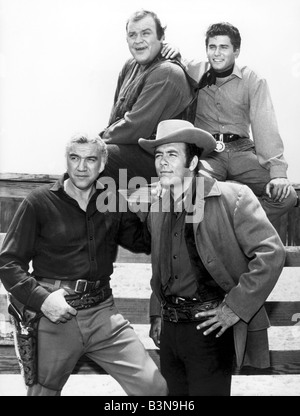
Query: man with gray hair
(72, 245)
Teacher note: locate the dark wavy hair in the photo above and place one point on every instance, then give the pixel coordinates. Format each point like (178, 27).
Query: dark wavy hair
(140, 14)
(192, 150)
(224, 29)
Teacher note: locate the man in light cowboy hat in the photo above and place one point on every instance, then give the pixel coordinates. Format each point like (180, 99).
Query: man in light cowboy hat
(211, 272)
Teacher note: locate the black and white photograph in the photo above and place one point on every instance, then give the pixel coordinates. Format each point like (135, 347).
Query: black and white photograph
(149, 200)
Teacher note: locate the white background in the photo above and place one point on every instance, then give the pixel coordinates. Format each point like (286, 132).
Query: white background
(59, 62)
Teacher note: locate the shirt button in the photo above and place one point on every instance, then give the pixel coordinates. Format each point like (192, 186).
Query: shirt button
(176, 277)
(175, 257)
(176, 234)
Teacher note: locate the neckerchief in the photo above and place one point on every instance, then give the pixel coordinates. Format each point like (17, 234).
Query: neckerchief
(211, 76)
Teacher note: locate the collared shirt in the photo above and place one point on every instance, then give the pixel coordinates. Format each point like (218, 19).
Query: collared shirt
(189, 278)
(64, 242)
(183, 281)
(237, 103)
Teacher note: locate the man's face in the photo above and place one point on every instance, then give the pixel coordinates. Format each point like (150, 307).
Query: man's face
(142, 40)
(84, 164)
(170, 163)
(220, 53)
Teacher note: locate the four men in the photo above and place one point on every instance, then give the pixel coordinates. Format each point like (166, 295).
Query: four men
(215, 255)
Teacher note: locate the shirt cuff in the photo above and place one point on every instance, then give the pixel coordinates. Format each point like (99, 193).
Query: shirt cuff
(37, 298)
(278, 171)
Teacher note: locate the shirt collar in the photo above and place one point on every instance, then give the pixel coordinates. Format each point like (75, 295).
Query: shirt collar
(59, 184)
(237, 72)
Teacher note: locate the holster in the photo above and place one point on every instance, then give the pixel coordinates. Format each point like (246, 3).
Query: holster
(25, 335)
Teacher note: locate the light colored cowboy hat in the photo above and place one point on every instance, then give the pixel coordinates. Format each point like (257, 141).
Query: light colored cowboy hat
(178, 131)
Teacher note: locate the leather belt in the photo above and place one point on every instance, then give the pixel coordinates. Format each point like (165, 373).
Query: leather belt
(77, 286)
(226, 138)
(90, 299)
(186, 311)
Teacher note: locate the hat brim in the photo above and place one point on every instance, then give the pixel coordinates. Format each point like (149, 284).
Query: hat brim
(200, 138)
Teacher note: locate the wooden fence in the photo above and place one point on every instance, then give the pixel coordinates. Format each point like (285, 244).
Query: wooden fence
(283, 310)
(14, 187)
(282, 314)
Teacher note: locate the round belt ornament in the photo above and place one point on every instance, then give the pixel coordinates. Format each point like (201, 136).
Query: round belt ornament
(220, 146)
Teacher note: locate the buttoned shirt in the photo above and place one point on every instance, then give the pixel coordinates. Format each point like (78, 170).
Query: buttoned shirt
(237, 103)
(64, 242)
(189, 278)
(183, 281)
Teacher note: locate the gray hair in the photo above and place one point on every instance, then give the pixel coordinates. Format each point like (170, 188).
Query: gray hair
(84, 138)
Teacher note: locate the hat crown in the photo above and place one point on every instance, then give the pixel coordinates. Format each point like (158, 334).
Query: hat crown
(167, 127)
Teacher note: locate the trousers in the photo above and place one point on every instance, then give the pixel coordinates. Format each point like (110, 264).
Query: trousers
(103, 335)
(239, 163)
(194, 364)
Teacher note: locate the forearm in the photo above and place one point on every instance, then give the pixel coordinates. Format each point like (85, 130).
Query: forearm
(195, 69)
(265, 251)
(268, 143)
(16, 255)
(20, 283)
(155, 306)
(134, 234)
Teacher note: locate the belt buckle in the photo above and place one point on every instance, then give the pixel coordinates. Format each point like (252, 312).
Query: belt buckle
(79, 282)
(178, 300)
(220, 146)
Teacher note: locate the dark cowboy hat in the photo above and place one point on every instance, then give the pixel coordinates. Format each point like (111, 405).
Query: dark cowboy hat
(179, 131)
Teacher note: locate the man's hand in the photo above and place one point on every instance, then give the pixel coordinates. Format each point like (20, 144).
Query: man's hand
(222, 316)
(155, 329)
(170, 51)
(158, 190)
(56, 309)
(278, 189)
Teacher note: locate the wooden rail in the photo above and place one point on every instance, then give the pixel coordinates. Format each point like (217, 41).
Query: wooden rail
(283, 306)
(16, 186)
